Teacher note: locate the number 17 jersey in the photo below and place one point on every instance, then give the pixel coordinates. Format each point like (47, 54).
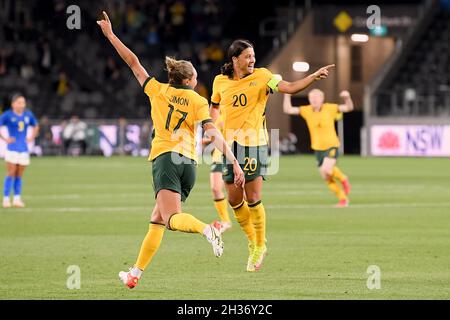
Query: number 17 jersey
(175, 111)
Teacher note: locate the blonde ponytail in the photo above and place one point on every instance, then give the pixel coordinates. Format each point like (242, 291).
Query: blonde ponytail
(178, 70)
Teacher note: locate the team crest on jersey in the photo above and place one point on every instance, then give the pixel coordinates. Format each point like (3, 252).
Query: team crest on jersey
(13, 119)
(253, 84)
(333, 153)
(27, 120)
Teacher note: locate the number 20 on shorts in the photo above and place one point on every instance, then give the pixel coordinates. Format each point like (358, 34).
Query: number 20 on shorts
(250, 164)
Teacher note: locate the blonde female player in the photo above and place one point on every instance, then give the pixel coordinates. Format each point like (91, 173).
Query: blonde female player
(242, 91)
(175, 109)
(320, 118)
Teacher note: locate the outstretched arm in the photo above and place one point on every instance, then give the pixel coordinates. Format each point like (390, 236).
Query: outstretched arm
(348, 102)
(287, 105)
(299, 85)
(126, 54)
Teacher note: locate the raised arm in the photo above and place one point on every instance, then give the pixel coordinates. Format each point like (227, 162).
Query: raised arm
(348, 102)
(299, 85)
(287, 105)
(126, 54)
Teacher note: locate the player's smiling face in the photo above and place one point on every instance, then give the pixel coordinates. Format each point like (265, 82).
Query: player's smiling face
(245, 62)
(19, 104)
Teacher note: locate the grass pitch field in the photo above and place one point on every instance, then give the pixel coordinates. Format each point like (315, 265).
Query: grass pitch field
(93, 212)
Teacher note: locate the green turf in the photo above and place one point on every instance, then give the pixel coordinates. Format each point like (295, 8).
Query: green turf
(93, 212)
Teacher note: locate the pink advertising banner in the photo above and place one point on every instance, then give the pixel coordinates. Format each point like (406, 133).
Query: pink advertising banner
(410, 140)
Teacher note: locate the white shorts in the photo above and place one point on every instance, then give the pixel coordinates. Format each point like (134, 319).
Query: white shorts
(20, 158)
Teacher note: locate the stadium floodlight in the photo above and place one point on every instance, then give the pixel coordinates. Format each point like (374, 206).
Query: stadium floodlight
(359, 37)
(300, 66)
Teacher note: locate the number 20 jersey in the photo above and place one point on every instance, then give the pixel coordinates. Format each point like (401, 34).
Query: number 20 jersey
(175, 111)
(243, 106)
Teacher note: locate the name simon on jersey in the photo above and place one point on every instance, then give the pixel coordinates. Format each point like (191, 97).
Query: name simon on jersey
(179, 100)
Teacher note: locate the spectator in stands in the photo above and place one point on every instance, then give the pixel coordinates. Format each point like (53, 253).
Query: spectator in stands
(145, 138)
(2, 62)
(111, 71)
(27, 71)
(46, 58)
(152, 35)
(74, 135)
(214, 52)
(45, 138)
(62, 84)
(121, 135)
(202, 90)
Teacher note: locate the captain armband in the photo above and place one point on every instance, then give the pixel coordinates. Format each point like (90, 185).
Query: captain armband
(273, 84)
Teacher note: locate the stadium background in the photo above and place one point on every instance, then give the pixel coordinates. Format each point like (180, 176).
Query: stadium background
(399, 80)
(399, 77)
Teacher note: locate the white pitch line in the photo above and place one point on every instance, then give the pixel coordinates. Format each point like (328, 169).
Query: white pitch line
(82, 209)
(293, 206)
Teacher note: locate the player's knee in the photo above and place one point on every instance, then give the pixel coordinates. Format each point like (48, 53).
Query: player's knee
(166, 221)
(253, 197)
(326, 173)
(234, 200)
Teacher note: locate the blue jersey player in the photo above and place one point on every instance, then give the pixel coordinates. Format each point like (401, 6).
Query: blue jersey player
(17, 120)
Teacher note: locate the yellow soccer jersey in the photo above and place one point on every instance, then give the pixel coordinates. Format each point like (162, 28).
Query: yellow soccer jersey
(175, 110)
(243, 105)
(321, 125)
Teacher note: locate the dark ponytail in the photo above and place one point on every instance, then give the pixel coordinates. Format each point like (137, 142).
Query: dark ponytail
(227, 69)
(234, 50)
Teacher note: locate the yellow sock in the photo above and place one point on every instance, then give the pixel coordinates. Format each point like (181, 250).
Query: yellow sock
(222, 209)
(150, 245)
(338, 174)
(186, 223)
(242, 214)
(258, 217)
(332, 185)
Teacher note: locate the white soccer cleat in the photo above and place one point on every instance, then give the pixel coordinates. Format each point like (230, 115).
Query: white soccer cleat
(17, 203)
(128, 279)
(6, 203)
(213, 236)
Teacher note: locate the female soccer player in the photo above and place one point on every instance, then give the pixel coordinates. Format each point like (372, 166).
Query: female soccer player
(17, 157)
(242, 91)
(175, 109)
(320, 118)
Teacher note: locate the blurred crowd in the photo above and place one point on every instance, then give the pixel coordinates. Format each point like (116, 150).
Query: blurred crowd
(65, 71)
(78, 137)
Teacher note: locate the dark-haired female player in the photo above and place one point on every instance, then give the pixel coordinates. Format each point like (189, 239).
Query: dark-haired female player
(241, 92)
